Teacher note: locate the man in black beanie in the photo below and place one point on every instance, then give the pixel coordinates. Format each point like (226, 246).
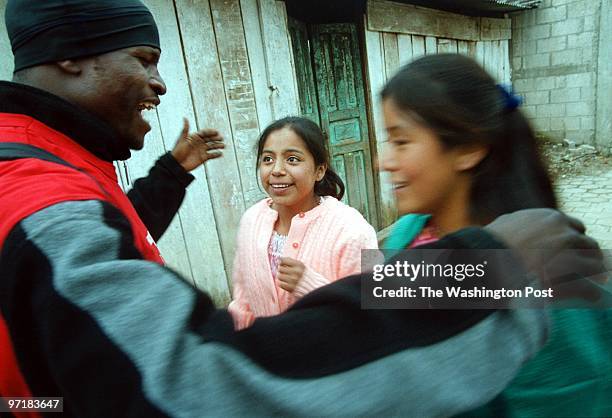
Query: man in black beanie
(102, 57)
(89, 313)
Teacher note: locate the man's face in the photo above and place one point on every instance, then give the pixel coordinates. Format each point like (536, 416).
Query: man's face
(120, 86)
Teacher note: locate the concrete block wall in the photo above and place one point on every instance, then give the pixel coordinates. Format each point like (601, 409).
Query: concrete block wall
(554, 55)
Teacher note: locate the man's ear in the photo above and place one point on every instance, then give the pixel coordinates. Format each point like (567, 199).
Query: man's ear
(469, 156)
(69, 66)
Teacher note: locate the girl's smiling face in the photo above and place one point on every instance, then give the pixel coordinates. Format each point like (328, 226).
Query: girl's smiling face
(426, 177)
(288, 172)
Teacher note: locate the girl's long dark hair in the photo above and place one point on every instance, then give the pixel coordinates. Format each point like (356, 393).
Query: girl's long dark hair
(331, 184)
(461, 102)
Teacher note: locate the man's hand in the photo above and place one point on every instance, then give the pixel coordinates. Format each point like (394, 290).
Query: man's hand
(551, 244)
(290, 272)
(194, 149)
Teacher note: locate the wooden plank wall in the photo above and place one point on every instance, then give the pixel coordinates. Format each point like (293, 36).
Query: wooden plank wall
(227, 64)
(276, 43)
(225, 57)
(396, 34)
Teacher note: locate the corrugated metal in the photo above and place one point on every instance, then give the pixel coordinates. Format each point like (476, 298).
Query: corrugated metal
(476, 7)
(331, 11)
(524, 4)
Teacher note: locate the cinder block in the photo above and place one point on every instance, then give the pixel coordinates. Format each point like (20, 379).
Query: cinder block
(572, 123)
(557, 124)
(567, 57)
(587, 122)
(579, 109)
(536, 61)
(537, 32)
(591, 23)
(517, 63)
(581, 40)
(565, 95)
(536, 98)
(579, 80)
(551, 14)
(580, 136)
(530, 47)
(530, 111)
(550, 110)
(566, 27)
(587, 55)
(529, 18)
(523, 85)
(552, 44)
(587, 93)
(545, 83)
(541, 124)
(560, 81)
(585, 8)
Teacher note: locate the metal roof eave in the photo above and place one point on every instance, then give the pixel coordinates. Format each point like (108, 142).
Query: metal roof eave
(477, 7)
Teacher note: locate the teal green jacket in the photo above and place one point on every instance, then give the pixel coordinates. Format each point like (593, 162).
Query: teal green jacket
(404, 232)
(570, 377)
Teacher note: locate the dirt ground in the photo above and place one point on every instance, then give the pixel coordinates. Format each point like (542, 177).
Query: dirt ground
(583, 183)
(566, 160)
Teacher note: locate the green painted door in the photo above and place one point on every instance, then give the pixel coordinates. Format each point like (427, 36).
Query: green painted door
(309, 106)
(341, 110)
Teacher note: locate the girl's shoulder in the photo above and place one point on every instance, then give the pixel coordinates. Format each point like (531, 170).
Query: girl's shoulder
(347, 225)
(343, 212)
(256, 211)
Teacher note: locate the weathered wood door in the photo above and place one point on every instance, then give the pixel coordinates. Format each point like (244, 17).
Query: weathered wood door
(307, 90)
(328, 62)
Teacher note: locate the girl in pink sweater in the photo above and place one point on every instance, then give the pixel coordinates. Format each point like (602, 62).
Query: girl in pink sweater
(301, 237)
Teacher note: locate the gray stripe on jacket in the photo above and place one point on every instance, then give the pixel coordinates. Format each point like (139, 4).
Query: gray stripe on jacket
(145, 309)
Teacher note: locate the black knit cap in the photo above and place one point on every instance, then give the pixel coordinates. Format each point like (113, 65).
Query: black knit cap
(43, 31)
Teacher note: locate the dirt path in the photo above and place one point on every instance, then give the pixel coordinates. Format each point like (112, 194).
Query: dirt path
(583, 181)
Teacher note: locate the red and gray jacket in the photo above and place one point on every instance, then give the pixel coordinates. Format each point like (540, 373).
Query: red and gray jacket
(87, 316)
(41, 167)
(31, 184)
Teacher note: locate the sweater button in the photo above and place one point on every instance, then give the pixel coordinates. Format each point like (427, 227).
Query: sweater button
(301, 214)
(295, 245)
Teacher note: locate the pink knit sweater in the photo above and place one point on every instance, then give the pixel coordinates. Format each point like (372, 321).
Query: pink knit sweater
(328, 239)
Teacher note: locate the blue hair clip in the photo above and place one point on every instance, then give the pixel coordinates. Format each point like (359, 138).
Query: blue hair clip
(512, 101)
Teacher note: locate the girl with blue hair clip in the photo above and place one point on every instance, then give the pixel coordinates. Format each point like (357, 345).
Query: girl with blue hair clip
(459, 153)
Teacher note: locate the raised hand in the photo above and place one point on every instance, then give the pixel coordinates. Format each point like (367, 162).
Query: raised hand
(194, 149)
